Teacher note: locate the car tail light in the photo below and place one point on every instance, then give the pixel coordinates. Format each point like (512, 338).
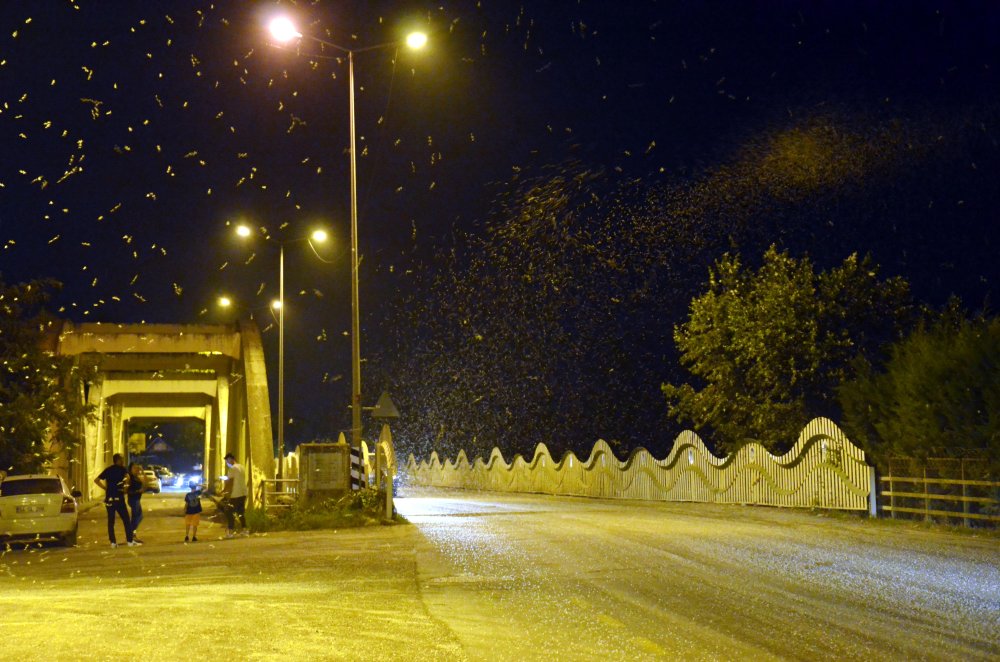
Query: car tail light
(68, 505)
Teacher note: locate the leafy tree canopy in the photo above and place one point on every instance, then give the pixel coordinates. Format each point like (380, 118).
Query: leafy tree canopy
(938, 394)
(769, 346)
(40, 403)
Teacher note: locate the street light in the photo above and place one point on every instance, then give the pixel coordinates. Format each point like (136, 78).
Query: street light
(226, 302)
(318, 236)
(284, 30)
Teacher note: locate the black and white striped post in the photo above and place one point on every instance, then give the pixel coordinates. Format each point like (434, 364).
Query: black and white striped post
(358, 478)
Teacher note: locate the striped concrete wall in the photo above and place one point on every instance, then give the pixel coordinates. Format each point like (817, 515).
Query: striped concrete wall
(822, 470)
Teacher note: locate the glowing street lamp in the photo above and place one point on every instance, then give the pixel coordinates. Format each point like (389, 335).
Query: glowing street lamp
(226, 302)
(317, 236)
(283, 30)
(416, 40)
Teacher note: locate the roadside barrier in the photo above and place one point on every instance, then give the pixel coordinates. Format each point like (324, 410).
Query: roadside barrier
(278, 493)
(822, 470)
(358, 477)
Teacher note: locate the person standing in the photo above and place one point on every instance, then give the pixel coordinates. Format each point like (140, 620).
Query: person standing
(136, 486)
(235, 493)
(192, 512)
(114, 481)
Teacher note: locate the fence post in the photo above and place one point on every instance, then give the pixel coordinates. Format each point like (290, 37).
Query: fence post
(927, 497)
(872, 493)
(966, 521)
(892, 494)
(389, 508)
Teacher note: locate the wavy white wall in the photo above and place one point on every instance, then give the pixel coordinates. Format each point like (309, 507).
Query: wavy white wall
(822, 470)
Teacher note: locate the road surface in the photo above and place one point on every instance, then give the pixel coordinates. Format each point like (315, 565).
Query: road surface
(498, 577)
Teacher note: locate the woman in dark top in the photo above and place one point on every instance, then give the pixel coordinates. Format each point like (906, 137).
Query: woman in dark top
(136, 486)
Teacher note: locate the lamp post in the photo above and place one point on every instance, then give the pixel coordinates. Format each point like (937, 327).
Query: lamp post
(318, 236)
(283, 30)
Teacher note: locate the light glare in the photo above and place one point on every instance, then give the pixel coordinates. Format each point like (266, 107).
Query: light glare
(276, 304)
(283, 29)
(319, 236)
(243, 230)
(225, 302)
(416, 40)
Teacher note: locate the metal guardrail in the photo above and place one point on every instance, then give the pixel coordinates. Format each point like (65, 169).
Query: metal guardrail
(278, 492)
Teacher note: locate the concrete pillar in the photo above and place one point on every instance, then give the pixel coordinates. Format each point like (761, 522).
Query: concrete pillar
(259, 448)
(94, 436)
(211, 432)
(117, 430)
(222, 404)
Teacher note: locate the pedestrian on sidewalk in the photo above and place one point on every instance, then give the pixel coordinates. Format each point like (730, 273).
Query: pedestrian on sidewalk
(192, 512)
(234, 494)
(136, 486)
(113, 480)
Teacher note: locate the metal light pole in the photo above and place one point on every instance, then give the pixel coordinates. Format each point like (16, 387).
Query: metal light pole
(284, 30)
(281, 362)
(355, 306)
(318, 236)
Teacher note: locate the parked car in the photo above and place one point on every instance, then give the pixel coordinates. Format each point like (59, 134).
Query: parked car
(151, 481)
(162, 472)
(38, 507)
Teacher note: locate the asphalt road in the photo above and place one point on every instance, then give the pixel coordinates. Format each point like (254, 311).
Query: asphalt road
(495, 577)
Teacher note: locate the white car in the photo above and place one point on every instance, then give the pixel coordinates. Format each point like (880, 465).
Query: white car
(38, 507)
(151, 481)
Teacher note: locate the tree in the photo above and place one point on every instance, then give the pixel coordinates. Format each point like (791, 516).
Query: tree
(937, 395)
(40, 404)
(770, 346)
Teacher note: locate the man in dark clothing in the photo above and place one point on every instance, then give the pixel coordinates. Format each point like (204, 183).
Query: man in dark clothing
(114, 481)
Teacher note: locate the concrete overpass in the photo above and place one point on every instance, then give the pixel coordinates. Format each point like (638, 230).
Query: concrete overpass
(214, 373)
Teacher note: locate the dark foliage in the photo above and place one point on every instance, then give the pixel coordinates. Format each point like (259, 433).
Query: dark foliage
(937, 396)
(768, 347)
(41, 407)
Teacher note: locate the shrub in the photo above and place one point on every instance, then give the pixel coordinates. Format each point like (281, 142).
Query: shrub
(938, 394)
(359, 508)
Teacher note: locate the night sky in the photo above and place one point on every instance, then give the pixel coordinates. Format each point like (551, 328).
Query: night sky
(134, 134)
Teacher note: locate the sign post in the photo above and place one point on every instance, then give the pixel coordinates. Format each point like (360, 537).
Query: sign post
(385, 455)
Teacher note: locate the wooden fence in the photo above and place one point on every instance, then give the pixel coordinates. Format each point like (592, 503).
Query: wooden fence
(822, 470)
(947, 489)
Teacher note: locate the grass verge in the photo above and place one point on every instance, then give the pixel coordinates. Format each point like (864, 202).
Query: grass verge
(361, 508)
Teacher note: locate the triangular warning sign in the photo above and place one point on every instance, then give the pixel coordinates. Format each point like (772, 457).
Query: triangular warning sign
(385, 407)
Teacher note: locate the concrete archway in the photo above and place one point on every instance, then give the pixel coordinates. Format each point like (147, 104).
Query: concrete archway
(214, 373)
